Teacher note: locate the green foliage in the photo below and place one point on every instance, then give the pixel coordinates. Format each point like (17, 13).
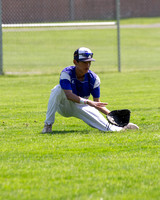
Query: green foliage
(77, 161)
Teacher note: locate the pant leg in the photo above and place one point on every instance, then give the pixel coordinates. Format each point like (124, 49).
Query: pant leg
(58, 102)
(56, 97)
(93, 118)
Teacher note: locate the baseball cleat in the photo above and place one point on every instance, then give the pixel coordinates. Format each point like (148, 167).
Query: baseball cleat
(131, 126)
(47, 128)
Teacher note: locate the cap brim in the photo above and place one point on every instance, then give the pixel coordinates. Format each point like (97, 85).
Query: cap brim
(88, 59)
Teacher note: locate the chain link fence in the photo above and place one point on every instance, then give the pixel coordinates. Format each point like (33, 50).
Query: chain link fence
(49, 49)
(42, 11)
(140, 35)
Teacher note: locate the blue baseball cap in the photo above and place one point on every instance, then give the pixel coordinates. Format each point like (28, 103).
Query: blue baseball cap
(83, 54)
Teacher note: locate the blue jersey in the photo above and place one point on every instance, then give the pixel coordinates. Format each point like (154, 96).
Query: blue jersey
(90, 84)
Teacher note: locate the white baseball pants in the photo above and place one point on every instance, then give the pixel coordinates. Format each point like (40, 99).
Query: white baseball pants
(58, 102)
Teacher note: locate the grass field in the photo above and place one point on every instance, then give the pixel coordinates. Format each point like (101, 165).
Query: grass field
(49, 51)
(78, 162)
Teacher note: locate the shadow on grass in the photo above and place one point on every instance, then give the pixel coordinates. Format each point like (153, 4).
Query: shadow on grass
(65, 132)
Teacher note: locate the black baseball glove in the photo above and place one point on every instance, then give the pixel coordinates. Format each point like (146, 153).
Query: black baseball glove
(119, 117)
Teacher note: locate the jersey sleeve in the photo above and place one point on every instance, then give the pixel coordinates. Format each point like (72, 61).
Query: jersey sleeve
(96, 92)
(96, 88)
(97, 82)
(65, 81)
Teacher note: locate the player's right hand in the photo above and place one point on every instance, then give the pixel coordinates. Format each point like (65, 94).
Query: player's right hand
(96, 104)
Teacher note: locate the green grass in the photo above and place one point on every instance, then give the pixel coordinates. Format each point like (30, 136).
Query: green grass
(48, 51)
(141, 20)
(77, 161)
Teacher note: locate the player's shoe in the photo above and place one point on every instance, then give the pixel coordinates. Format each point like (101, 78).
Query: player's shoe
(47, 128)
(131, 126)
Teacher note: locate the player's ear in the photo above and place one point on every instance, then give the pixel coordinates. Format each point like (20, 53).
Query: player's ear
(75, 62)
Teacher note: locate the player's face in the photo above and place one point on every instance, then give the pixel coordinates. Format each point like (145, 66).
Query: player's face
(83, 67)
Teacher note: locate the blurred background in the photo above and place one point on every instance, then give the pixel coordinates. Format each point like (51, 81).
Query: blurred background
(37, 46)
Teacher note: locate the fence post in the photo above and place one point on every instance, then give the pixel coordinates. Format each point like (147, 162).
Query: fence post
(1, 53)
(118, 34)
(72, 10)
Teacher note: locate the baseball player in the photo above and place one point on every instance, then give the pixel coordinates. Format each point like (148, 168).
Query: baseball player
(70, 97)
